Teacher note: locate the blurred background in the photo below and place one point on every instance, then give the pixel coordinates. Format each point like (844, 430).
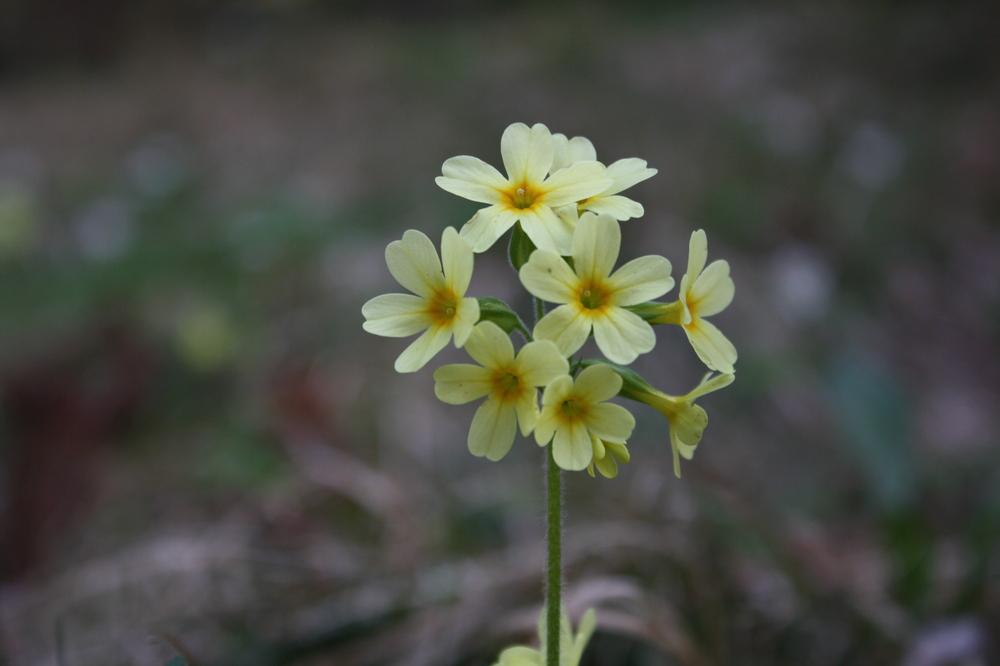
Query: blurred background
(205, 460)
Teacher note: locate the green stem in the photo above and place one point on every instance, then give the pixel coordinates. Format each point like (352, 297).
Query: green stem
(553, 538)
(553, 583)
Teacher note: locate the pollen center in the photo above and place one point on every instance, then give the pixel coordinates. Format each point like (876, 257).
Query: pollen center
(592, 297)
(443, 306)
(506, 383)
(572, 410)
(522, 198)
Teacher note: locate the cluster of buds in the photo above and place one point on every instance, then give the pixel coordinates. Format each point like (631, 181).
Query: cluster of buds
(565, 209)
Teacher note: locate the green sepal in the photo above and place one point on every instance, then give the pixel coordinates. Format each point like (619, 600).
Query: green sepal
(648, 310)
(633, 385)
(498, 312)
(520, 248)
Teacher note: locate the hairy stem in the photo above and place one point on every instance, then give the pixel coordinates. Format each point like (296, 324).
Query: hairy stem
(553, 582)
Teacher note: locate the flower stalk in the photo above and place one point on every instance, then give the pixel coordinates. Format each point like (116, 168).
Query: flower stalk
(563, 209)
(553, 535)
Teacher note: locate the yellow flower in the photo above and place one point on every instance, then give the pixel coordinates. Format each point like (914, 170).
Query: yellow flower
(687, 420)
(508, 380)
(439, 307)
(570, 647)
(525, 195)
(593, 297)
(623, 174)
(606, 457)
(573, 412)
(703, 293)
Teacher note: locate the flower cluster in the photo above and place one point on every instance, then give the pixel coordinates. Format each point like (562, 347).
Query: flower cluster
(564, 208)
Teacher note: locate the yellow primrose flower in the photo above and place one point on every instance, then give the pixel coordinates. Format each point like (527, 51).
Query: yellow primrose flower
(573, 412)
(508, 380)
(570, 647)
(606, 457)
(703, 293)
(687, 420)
(593, 297)
(439, 307)
(525, 195)
(623, 174)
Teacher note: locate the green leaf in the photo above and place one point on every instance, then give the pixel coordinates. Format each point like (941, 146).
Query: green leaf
(520, 248)
(876, 417)
(498, 312)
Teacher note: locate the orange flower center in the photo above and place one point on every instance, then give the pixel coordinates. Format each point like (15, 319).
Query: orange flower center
(506, 384)
(572, 410)
(521, 197)
(443, 306)
(592, 296)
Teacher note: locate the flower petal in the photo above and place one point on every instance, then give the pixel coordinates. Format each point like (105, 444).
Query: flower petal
(596, 244)
(641, 279)
(423, 349)
(527, 153)
(545, 427)
(486, 226)
(575, 183)
(610, 422)
(687, 428)
(713, 291)
(566, 326)
(619, 207)
(395, 315)
(708, 384)
(493, 429)
(527, 411)
(597, 383)
(622, 335)
(459, 383)
(552, 397)
(466, 316)
(557, 391)
(626, 173)
(607, 466)
(547, 230)
(548, 277)
(683, 291)
(697, 254)
(540, 362)
(457, 260)
(471, 178)
(712, 347)
(414, 262)
(490, 346)
(618, 450)
(598, 446)
(572, 449)
(571, 151)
